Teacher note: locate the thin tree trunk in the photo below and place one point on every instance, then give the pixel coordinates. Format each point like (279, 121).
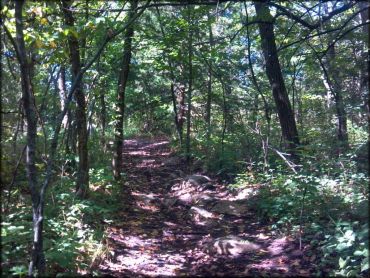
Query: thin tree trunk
(70, 142)
(103, 119)
(190, 88)
(172, 88)
(82, 182)
(209, 90)
(335, 83)
(224, 118)
(337, 93)
(274, 74)
(176, 116)
(37, 259)
(264, 139)
(365, 67)
(181, 114)
(122, 81)
(63, 93)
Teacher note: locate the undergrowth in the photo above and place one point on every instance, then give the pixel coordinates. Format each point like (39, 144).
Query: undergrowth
(325, 205)
(75, 230)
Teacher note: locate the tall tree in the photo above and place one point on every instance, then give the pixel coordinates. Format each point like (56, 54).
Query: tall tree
(209, 86)
(336, 86)
(275, 76)
(122, 82)
(190, 84)
(365, 67)
(335, 83)
(37, 259)
(173, 84)
(82, 182)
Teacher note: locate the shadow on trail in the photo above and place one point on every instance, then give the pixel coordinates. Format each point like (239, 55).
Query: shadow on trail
(175, 224)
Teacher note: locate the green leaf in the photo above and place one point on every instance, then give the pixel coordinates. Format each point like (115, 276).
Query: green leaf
(359, 253)
(365, 264)
(341, 246)
(342, 263)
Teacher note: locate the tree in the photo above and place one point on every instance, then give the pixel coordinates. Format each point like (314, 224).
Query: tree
(122, 82)
(29, 106)
(190, 84)
(336, 87)
(82, 182)
(274, 74)
(209, 87)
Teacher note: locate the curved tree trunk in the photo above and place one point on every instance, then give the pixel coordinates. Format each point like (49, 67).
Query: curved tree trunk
(122, 81)
(37, 257)
(274, 74)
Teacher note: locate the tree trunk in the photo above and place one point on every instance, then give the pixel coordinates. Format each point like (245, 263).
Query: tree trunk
(365, 67)
(62, 90)
(82, 182)
(180, 91)
(339, 105)
(209, 90)
(122, 81)
(335, 83)
(274, 74)
(60, 86)
(172, 88)
(103, 118)
(37, 259)
(190, 88)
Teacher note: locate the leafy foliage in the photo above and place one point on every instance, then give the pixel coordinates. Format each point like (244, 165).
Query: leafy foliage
(236, 132)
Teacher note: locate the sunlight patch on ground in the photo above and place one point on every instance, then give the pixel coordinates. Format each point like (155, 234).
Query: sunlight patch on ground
(153, 145)
(277, 246)
(142, 262)
(145, 206)
(139, 153)
(272, 264)
(148, 163)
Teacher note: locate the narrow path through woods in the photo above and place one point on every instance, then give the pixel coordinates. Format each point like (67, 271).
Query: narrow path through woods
(184, 225)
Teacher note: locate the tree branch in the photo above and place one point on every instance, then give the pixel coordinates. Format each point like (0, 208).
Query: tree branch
(13, 42)
(307, 24)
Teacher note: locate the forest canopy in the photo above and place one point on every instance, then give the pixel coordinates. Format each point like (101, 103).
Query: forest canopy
(266, 97)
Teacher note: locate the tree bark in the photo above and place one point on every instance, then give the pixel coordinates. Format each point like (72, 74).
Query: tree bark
(122, 81)
(82, 182)
(365, 67)
(209, 90)
(274, 74)
(339, 104)
(335, 83)
(103, 118)
(37, 259)
(180, 92)
(190, 88)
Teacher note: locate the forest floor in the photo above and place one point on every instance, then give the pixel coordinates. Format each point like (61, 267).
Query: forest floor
(178, 224)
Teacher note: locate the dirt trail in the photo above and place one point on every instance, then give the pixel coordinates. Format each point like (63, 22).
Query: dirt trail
(178, 225)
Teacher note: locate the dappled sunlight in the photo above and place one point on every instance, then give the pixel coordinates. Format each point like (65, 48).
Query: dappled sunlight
(146, 206)
(154, 145)
(148, 163)
(277, 246)
(196, 227)
(139, 153)
(269, 264)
